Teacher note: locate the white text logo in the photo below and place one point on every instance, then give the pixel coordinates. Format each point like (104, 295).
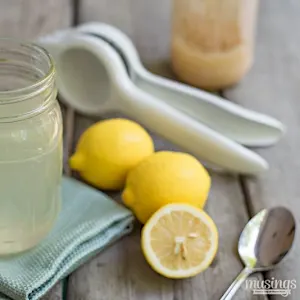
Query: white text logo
(271, 286)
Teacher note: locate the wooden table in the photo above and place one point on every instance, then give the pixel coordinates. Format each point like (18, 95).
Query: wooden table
(272, 87)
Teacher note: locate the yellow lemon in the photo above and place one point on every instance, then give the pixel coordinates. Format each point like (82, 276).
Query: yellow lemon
(162, 178)
(180, 241)
(108, 150)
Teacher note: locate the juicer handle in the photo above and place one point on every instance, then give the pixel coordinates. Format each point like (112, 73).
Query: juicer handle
(239, 124)
(176, 126)
(187, 133)
(242, 125)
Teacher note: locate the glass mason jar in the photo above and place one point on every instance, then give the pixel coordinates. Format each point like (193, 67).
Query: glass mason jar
(212, 41)
(30, 146)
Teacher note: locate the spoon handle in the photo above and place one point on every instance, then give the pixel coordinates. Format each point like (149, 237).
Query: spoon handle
(236, 284)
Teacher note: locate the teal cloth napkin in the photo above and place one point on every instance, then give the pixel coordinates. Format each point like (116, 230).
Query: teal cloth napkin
(89, 221)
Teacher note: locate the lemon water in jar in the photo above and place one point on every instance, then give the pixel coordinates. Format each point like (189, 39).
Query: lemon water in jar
(30, 146)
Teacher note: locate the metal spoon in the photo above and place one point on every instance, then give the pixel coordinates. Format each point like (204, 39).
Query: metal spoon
(264, 242)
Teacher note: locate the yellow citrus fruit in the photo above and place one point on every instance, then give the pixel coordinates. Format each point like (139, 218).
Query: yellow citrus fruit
(108, 150)
(180, 241)
(162, 178)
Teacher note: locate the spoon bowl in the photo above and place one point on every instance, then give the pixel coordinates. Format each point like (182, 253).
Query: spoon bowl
(266, 239)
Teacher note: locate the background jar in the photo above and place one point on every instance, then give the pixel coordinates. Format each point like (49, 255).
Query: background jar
(212, 41)
(30, 146)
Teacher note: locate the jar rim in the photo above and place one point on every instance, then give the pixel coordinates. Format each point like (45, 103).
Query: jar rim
(16, 95)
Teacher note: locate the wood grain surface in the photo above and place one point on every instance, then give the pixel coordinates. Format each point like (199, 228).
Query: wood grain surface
(273, 87)
(28, 19)
(146, 22)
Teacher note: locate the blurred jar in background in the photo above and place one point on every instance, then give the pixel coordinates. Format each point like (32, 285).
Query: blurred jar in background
(213, 41)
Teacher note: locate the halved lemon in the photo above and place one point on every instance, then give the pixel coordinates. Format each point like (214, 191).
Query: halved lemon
(180, 241)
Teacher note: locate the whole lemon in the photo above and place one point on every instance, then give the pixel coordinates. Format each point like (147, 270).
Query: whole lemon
(108, 150)
(165, 177)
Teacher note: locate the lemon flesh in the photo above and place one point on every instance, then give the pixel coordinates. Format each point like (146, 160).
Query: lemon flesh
(179, 241)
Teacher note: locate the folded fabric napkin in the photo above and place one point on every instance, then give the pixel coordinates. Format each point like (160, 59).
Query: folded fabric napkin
(88, 222)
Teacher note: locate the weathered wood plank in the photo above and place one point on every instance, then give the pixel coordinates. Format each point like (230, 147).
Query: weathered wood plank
(68, 136)
(273, 87)
(146, 22)
(56, 293)
(121, 272)
(31, 18)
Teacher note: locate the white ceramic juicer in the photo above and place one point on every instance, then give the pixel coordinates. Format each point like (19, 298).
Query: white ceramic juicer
(99, 70)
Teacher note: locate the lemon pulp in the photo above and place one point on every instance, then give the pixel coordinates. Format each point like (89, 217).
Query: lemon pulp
(180, 241)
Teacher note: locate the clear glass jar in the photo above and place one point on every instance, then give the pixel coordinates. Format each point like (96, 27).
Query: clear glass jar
(30, 146)
(212, 41)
